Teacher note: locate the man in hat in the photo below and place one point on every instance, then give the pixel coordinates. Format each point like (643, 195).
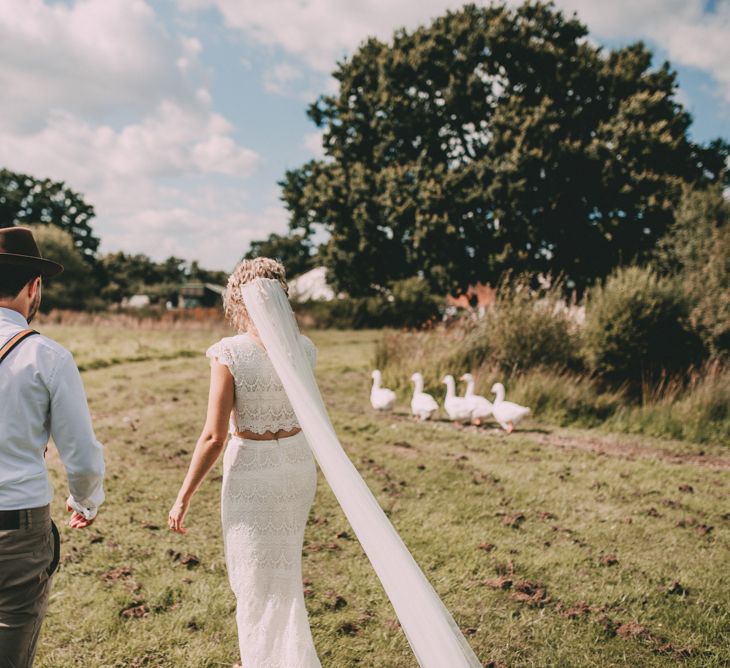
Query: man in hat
(41, 396)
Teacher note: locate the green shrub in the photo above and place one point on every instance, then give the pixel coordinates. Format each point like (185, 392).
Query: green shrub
(407, 303)
(696, 250)
(695, 409)
(565, 398)
(75, 289)
(412, 303)
(693, 406)
(524, 328)
(434, 353)
(637, 327)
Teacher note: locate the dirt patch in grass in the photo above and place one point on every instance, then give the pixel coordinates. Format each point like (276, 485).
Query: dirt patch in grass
(135, 610)
(532, 594)
(116, 574)
(613, 445)
(606, 445)
(501, 582)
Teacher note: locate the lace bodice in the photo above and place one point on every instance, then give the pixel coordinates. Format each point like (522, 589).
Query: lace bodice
(261, 403)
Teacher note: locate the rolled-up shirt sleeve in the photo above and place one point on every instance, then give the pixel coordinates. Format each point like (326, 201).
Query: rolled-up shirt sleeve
(70, 426)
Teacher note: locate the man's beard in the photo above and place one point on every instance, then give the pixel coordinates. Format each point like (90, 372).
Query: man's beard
(35, 304)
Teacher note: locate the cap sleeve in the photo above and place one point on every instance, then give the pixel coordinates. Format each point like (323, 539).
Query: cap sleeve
(221, 352)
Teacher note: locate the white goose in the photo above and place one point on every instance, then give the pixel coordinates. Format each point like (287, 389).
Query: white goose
(381, 398)
(481, 406)
(458, 408)
(508, 414)
(423, 405)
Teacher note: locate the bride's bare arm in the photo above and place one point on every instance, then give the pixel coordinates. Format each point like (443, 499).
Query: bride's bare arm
(209, 445)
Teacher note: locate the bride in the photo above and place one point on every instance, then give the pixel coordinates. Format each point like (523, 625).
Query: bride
(264, 399)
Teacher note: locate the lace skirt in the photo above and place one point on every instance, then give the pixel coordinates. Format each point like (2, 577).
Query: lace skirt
(268, 489)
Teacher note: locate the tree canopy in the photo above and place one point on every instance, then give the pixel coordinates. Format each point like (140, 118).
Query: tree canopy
(496, 139)
(293, 251)
(75, 288)
(26, 200)
(696, 251)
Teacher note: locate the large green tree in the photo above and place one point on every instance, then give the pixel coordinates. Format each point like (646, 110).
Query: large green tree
(26, 200)
(76, 288)
(696, 251)
(495, 139)
(294, 251)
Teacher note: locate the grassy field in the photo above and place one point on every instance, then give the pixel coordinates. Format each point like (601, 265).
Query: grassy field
(551, 547)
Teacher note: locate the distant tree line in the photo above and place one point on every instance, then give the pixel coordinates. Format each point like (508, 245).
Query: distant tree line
(61, 221)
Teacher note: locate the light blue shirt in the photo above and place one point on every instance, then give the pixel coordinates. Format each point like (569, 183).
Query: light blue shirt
(42, 396)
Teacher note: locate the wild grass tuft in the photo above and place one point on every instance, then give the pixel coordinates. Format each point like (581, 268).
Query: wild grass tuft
(694, 406)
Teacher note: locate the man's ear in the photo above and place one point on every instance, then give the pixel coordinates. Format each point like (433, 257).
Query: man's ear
(34, 286)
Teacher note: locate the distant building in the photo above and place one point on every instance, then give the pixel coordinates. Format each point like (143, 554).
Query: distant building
(311, 286)
(477, 296)
(194, 295)
(136, 301)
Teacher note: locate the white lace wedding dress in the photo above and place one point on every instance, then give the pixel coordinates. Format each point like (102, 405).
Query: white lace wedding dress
(268, 489)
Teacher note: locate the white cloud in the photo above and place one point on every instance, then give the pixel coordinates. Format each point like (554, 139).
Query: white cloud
(313, 143)
(192, 47)
(219, 241)
(280, 78)
(170, 143)
(273, 218)
(100, 96)
(174, 166)
(319, 32)
(691, 36)
(96, 58)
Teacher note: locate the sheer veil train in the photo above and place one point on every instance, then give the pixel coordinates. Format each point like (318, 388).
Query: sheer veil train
(434, 636)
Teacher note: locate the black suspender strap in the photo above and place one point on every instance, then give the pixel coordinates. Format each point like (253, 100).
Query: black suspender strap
(15, 341)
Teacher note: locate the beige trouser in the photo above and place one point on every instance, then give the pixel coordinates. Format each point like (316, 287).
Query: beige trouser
(26, 559)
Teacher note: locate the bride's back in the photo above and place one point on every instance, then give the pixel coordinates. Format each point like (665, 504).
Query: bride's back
(261, 403)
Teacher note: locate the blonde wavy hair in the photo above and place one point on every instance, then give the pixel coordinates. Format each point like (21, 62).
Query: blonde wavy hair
(245, 272)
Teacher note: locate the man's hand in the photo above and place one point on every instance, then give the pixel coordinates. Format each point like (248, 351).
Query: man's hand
(77, 521)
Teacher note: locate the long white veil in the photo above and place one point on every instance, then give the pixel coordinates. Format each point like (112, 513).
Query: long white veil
(434, 636)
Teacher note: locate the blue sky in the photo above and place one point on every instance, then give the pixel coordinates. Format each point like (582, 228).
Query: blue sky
(177, 118)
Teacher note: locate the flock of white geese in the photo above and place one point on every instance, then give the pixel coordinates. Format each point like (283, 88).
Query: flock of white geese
(468, 408)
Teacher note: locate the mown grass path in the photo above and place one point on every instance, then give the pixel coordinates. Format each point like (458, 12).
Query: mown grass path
(550, 547)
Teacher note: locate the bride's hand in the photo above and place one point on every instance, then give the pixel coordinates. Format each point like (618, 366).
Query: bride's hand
(177, 516)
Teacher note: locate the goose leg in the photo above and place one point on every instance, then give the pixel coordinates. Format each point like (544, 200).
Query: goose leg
(510, 427)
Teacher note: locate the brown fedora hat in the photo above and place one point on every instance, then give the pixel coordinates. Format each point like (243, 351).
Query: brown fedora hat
(19, 249)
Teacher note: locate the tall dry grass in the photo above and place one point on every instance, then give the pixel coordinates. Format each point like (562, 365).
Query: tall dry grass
(693, 406)
(193, 318)
(694, 409)
(525, 328)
